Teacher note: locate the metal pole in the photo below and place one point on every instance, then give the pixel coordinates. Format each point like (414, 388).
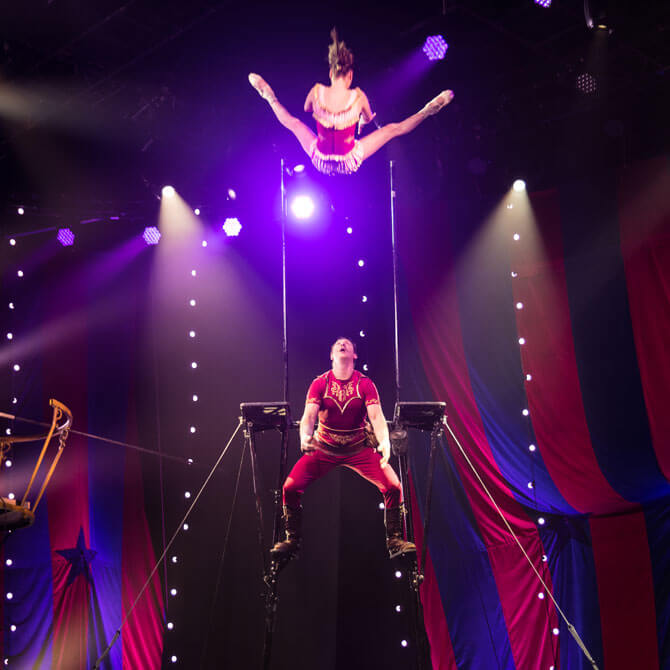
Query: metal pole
(284, 214)
(395, 286)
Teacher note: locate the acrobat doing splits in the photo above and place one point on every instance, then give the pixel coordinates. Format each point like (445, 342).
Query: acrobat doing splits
(337, 110)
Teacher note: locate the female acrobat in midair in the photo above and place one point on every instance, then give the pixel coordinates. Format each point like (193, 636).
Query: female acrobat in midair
(337, 110)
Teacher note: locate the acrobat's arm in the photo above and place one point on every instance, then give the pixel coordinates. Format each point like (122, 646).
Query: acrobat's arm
(366, 111)
(309, 99)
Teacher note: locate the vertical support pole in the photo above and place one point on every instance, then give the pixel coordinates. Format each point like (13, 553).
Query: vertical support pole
(283, 458)
(434, 434)
(394, 251)
(284, 215)
(251, 443)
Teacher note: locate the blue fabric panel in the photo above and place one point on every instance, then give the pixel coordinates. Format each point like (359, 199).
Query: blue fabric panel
(467, 587)
(567, 542)
(603, 336)
(30, 579)
(494, 364)
(657, 518)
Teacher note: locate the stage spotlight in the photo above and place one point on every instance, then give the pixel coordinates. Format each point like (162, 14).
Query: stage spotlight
(543, 3)
(231, 194)
(232, 226)
(66, 237)
(597, 14)
(302, 207)
(20, 211)
(586, 83)
(168, 191)
(299, 168)
(519, 185)
(12, 242)
(151, 235)
(196, 211)
(435, 47)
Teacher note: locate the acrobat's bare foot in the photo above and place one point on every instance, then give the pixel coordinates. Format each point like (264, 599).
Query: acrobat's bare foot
(262, 87)
(438, 102)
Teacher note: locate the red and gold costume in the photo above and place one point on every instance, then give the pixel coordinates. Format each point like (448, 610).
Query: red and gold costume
(335, 150)
(341, 438)
(342, 410)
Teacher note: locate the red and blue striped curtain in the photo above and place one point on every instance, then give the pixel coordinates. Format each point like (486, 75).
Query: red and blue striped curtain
(587, 287)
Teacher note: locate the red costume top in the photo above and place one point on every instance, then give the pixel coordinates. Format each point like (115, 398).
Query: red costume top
(335, 150)
(342, 409)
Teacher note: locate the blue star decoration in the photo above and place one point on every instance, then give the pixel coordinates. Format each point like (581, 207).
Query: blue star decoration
(79, 558)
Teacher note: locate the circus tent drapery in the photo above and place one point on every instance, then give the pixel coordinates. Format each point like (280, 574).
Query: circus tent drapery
(587, 286)
(75, 573)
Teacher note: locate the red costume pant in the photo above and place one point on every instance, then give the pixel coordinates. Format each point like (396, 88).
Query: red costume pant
(315, 464)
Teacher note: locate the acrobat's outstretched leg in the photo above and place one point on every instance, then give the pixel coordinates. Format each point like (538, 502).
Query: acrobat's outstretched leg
(304, 135)
(377, 139)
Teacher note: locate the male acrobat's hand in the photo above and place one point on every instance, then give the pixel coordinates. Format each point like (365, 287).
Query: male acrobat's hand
(307, 445)
(385, 449)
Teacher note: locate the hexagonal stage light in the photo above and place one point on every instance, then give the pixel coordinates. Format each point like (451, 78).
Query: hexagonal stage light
(65, 237)
(151, 235)
(232, 226)
(435, 47)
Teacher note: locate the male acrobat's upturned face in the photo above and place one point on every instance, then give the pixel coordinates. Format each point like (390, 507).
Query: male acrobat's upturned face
(343, 350)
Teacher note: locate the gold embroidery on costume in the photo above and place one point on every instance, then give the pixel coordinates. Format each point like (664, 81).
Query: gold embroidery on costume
(342, 394)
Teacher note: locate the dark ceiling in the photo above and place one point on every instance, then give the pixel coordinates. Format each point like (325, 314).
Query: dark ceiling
(115, 83)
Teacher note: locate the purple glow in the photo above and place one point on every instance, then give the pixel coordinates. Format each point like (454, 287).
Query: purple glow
(232, 227)
(151, 235)
(543, 3)
(302, 207)
(435, 47)
(66, 237)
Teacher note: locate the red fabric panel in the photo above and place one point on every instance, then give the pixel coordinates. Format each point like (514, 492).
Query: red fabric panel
(625, 591)
(441, 649)
(436, 317)
(554, 394)
(142, 636)
(644, 220)
(143, 633)
(67, 494)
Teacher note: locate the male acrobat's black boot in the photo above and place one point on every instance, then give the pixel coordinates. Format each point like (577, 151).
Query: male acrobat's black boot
(289, 547)
(395, 543)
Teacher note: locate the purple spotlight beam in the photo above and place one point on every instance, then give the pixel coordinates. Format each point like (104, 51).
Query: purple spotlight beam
(151, 235)
(435, 47)
(66, 237)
